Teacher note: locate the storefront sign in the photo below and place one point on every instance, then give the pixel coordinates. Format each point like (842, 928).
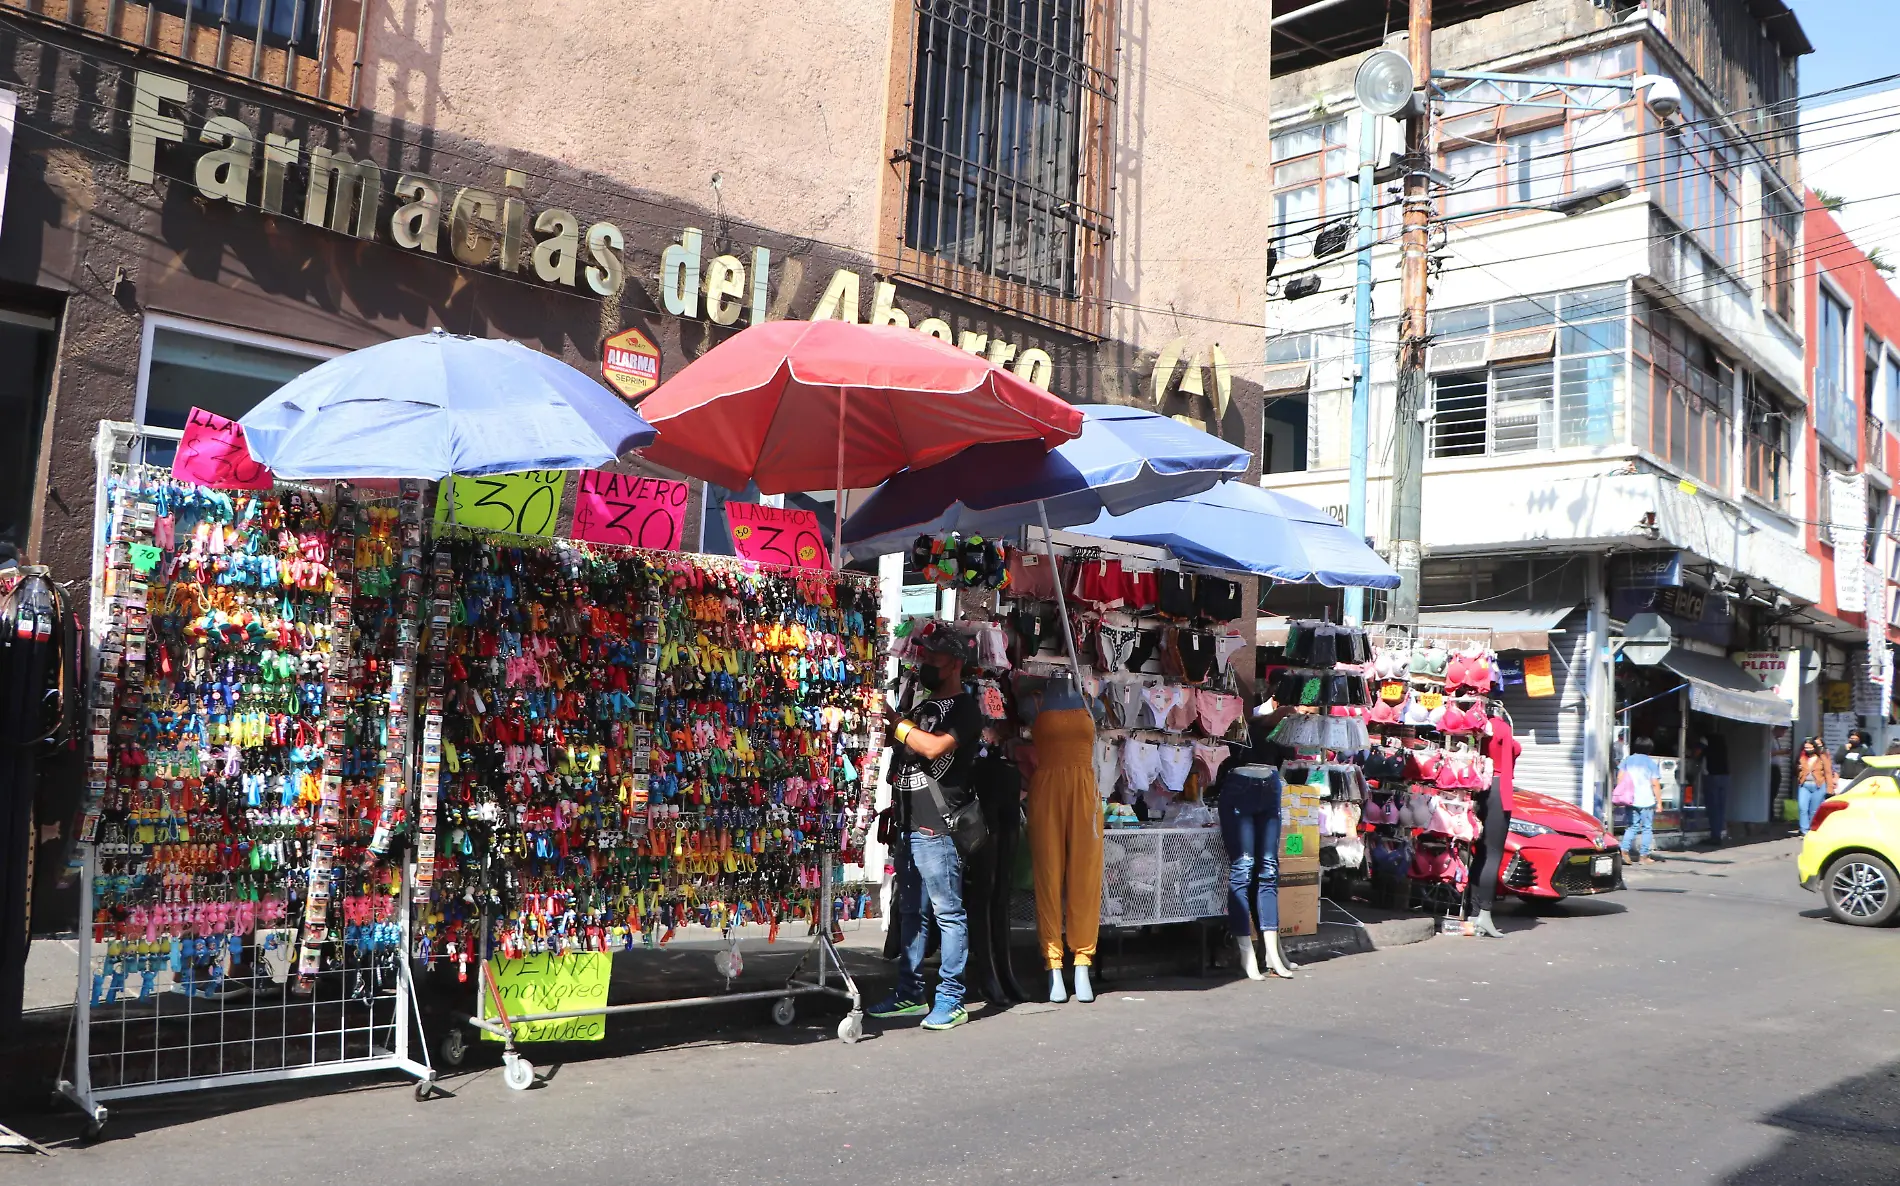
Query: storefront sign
(776, 535)
(631, 363)
(625, 509)
(728, 289)
(552, 984)
(525, 503)
(1538, 681)
(484, 228)
(1645, 570)
(213, 453)
(1778, 671)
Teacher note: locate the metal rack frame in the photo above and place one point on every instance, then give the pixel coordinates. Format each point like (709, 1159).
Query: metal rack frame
(518, 1072)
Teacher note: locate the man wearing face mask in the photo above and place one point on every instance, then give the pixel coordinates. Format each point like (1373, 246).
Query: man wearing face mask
(936, 741)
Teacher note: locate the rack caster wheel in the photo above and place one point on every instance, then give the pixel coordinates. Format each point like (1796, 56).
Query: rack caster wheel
(94, 1127)
(425, 1090)
(454, 1049)
(517, 1072)
(851, 1029)
(784, 1010)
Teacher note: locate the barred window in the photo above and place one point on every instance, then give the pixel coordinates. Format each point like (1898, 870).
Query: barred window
(1007, 144)
(1780, 226)
(1766, 444)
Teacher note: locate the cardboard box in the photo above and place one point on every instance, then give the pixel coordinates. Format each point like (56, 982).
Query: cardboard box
(1299, 829)
(1299, 902)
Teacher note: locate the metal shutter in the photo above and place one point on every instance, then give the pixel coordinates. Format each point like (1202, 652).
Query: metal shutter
(1551, 727)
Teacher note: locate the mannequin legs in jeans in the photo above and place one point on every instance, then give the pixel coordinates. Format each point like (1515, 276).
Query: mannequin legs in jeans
(1250, 830)
(1811, 800)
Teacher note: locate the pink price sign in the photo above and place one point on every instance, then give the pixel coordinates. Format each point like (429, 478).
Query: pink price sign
(774, 535)
(626, 509)
(213, 453)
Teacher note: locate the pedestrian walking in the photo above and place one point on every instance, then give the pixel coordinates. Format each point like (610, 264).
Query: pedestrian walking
(1852, 756)
(1815, 779)
(1638, 785)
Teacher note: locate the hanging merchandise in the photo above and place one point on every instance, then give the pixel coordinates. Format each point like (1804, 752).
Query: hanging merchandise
(245, 710)
(1430, 771)
(619, 743)
(956, 561)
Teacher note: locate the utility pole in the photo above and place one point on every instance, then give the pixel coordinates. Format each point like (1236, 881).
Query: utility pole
(1408, 430)
(1354, 606)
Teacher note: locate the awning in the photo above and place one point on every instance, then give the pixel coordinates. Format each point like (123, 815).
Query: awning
(1511, 629)
(1720, 688)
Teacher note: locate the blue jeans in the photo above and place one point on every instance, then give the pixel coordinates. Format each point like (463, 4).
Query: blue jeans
(1250, 831)
(1642, 826)
(1811, 800)
(930, 879)
(1715, 800)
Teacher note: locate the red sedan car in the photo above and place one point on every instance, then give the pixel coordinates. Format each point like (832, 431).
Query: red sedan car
(1556, 850)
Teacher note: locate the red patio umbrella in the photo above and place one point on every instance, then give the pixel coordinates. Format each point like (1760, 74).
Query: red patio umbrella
(802, 405)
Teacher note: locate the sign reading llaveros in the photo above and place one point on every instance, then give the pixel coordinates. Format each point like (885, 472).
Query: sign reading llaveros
(631, 362)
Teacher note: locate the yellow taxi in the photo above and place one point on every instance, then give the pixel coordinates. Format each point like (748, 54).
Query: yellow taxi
(1852, 849)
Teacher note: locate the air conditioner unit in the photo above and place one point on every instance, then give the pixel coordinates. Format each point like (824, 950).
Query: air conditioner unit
(1293, 376)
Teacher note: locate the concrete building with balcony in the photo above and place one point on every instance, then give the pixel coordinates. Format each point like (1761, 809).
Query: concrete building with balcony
(1619, 385)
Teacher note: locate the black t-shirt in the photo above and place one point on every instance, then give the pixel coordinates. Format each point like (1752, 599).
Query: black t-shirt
(959, 717)
(1850, 761)
(1715, 756)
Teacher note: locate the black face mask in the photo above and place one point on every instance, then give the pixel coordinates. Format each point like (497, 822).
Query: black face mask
(937, 679)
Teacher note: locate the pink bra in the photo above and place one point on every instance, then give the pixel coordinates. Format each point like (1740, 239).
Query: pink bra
(1452, 719)
(1469, 671)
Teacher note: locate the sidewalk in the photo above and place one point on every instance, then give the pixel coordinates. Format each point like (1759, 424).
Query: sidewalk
(686, 968)
(1715, 862)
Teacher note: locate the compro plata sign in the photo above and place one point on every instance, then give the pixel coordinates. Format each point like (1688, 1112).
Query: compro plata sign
(631, 363)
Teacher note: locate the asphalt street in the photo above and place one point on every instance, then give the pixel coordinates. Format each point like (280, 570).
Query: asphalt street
(1705, 1026)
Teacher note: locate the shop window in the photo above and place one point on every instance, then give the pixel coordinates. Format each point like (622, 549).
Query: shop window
(1006, 160)
(189, 367)
(26, 368)
(1765, 442)
(1312, 184)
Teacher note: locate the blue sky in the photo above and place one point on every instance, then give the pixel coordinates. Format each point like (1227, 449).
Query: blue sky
(1853, 40)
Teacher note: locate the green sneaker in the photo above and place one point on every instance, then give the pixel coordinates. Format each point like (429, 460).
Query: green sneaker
(946, 1019)
(896, 1006)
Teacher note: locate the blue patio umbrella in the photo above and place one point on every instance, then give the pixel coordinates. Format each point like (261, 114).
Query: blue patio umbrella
(438, 404)
(1243, 528)
(1125, 458)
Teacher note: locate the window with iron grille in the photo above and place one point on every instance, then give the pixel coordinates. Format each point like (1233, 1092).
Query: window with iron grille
(1690, 388)
(1554, 378)
(1007, 146)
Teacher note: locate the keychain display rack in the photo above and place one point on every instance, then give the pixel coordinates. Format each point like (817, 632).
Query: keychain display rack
(247, 749)
(619, 743)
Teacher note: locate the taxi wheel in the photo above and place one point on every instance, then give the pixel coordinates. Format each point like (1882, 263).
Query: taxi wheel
(1861, 889)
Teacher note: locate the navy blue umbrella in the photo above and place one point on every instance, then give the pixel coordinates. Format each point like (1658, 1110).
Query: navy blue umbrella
(1240, 527)
(1125, 458)
(438, 404)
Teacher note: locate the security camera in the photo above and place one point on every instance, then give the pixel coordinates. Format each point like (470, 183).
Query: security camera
(1662, 94)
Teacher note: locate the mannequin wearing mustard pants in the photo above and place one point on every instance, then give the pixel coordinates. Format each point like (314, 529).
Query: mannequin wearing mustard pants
(1065, 842)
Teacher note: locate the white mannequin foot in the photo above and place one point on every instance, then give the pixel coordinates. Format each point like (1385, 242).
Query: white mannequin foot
(1057, 993)
(1484, 926)
(1249, 963)
(1277, 963)
(1084, 991)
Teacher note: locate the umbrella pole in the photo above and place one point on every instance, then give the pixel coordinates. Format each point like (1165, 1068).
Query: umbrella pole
(837, 503)
(1062, 602)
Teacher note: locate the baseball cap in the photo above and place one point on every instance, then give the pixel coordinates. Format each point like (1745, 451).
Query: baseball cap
(946, 641)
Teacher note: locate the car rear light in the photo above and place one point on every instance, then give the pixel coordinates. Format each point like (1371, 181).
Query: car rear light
(1826, 809)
